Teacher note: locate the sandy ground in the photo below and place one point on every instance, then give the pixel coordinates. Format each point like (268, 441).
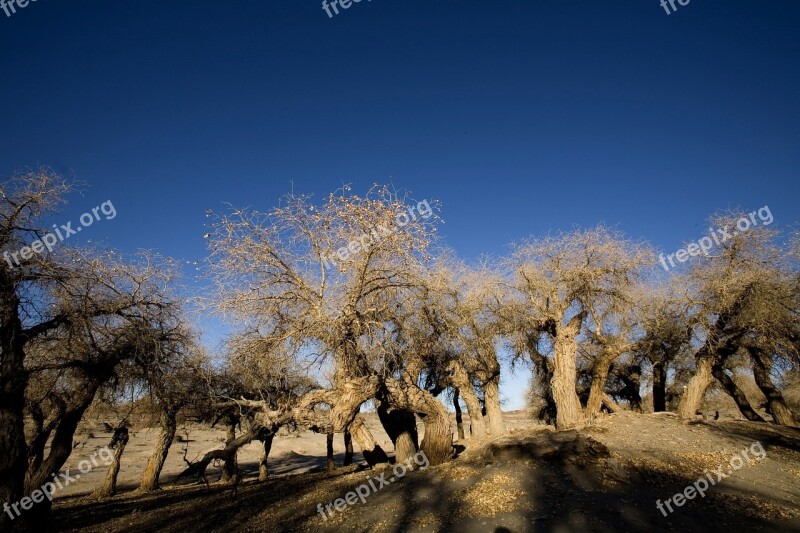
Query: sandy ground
(605, 477)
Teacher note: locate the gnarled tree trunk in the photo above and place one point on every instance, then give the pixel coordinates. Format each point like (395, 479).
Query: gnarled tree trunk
(494, 413)
(263, 470)
(597, 389)
(693, 394)
(460, 379)
(401, 426)
(156, 462)
(230, 465)
(569, 413)
(776, 406)
(371, 450)
(118, 443)
(437, 444)
(736, 393)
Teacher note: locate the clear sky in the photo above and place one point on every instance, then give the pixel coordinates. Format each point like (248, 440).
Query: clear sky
(521, 117)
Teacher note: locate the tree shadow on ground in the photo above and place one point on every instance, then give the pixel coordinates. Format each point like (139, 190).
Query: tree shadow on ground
(543, 482)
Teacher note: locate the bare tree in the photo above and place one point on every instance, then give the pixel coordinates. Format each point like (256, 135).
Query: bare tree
(322, 282)
(742, 298)
(557, 285)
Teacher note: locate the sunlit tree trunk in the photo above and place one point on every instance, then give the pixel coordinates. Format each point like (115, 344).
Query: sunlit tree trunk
(460, 379)
(371, 450)
(118, 442)
(693, 393)
(437, 444)
(156, 462)
(401, 426)
(494, 413)
(597, 389)
(569, 413)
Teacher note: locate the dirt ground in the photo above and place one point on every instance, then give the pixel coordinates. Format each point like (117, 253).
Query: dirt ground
(605, 477)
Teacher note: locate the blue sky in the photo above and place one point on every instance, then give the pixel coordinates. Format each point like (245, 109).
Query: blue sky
(521, 117)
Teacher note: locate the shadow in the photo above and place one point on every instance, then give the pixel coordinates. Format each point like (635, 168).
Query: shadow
(539, 481)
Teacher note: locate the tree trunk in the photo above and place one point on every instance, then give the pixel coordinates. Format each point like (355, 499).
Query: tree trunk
(736, 393)
(118, 442)
(693, 394)
(776, 406)
(61, 443)
(263, 471)
(348, 447)
(156, 462)
(459, 418)
(230, 467)
(226, 454)
(401, 426)
(659, 387)
(610, 404)
(13, 380)
(632, 377)
(331, 464)
(460, 379)
(372, 452)
(597, 389)
(569, 413)
(437, 445)
(491, 395)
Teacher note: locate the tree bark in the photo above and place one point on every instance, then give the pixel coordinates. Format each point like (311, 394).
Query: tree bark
(198, 468)
(372, 452)
(348, 447)
(13, 381)
(230, 466)
(263, 470)
(401, 426)
(736, 393)
(659, 387)
(459, 418)
(597, 389)
(610, 404)
(693, 394)
(569, 413)
(156, 462)
(331, 464)
(460, 379)
(118, 443)
(437, 444)
(776, 406)
(494, 413)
